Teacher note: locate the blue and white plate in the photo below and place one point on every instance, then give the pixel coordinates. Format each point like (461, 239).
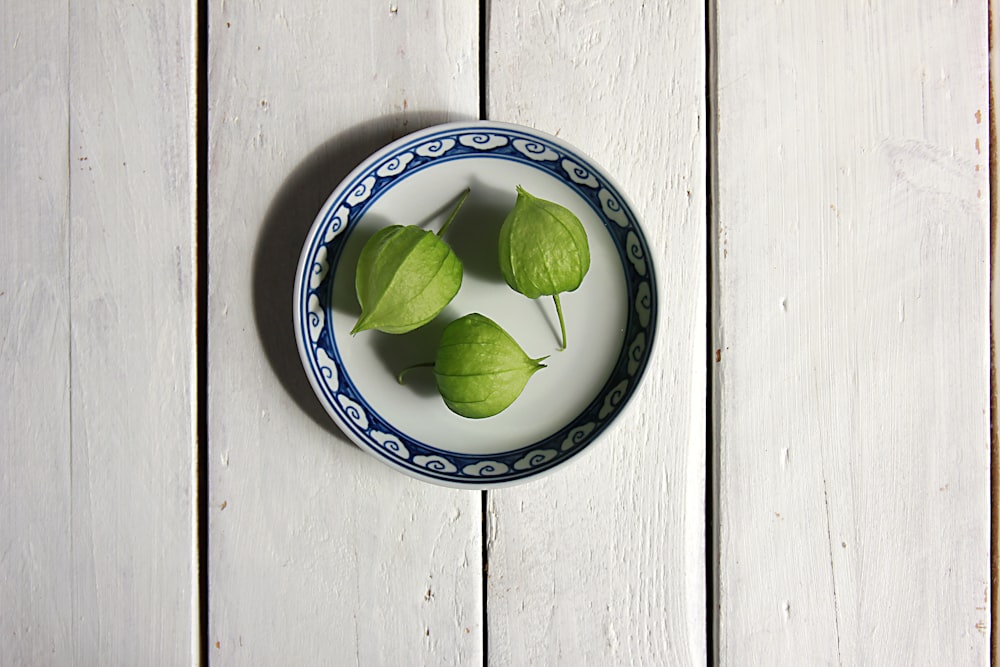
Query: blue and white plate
(565, 407)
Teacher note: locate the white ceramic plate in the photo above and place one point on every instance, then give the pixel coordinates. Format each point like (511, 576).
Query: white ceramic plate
(610, 319)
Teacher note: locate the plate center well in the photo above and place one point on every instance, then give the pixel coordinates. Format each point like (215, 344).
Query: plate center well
(595, 313)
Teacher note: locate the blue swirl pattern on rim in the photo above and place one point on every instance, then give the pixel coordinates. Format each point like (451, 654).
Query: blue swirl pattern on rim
(313, 313)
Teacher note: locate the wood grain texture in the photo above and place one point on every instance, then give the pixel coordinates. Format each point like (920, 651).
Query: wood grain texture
(132, 332)
(98, 299)
(603, 562)
(994, 321)
(36, 575)
(853, 333)
(319, 554)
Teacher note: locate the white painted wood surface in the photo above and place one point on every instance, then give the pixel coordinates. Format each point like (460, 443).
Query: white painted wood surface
(603, 563)
(97, 312)
(36, 573)
(994, 320)
(853, 393)
(319, 553)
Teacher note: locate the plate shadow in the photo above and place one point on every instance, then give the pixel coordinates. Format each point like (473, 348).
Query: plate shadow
(284, 229)
(475, 231)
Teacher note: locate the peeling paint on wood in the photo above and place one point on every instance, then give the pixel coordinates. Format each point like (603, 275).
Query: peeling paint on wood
(98, 329)
(877, 379)
(321, 550)
(603, 563)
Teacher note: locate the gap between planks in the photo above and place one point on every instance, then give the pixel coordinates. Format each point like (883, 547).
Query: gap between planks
(200, 8)
(712, 341)
(484, 30)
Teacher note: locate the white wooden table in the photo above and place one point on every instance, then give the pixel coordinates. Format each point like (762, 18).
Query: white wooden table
(805, 478)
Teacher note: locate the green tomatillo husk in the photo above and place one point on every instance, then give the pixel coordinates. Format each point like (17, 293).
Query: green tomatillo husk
(479, 368)
(543, 250)
(406, 275)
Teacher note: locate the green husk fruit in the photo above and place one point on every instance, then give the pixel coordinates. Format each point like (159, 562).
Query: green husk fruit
(406, 275)
(479, 368)
(543, 250)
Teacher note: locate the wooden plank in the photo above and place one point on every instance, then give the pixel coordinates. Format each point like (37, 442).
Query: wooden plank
(603, 562)
(994, 320)
(35, 576)
(853, 291)
(132, 333)
(319, 554)
(96, 300)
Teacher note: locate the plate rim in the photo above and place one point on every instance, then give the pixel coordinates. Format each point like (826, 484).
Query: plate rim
(533, 148)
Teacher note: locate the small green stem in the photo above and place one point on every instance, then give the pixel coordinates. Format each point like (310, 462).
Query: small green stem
(426, 364)
(454, 212)
(562, 322)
